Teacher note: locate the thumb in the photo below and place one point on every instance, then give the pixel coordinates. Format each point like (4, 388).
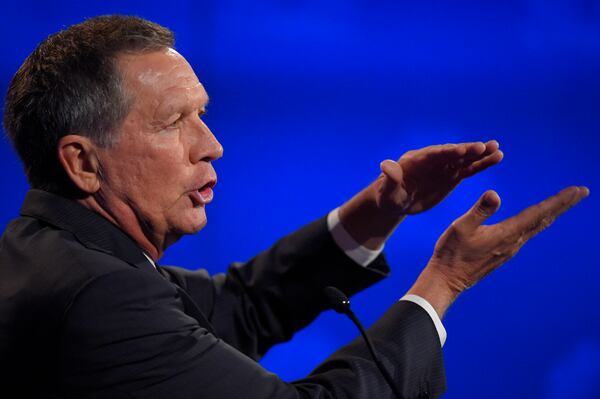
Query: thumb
(391, 182)
(392, 174)
(485, 207)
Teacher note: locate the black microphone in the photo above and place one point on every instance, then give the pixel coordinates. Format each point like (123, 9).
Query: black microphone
(341, 304)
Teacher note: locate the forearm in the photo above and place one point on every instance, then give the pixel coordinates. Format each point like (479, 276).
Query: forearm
(278, 291)
(407, 344)
(366, 222)
(432, 287)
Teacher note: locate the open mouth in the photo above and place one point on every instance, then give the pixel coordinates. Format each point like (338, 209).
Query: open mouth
(203, 195)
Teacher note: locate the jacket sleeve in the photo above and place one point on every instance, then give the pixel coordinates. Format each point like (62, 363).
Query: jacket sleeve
(126, 335)
(267, 299)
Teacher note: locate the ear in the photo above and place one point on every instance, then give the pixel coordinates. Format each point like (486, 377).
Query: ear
(77, 155)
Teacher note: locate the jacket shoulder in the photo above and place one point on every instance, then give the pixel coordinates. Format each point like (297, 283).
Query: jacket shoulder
(42, 268)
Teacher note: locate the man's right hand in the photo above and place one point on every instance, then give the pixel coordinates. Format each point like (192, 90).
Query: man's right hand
(468, 250)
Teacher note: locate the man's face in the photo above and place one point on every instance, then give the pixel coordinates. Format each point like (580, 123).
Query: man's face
(159, 173)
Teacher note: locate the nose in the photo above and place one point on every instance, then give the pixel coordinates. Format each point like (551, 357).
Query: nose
(205, 147)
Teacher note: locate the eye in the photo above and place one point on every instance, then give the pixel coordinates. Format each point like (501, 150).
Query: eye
(201, 113)
(175, 124)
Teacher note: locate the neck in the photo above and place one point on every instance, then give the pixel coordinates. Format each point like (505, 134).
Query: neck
(128, 221)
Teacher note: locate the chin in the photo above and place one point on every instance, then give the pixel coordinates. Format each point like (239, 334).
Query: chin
(198, 227)
(195, 222)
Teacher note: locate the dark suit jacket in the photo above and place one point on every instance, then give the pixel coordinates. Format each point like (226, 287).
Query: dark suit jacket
(83, 314)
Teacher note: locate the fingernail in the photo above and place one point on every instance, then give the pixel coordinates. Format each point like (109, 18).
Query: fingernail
(485, 201)
(586, 191)
(382, 164)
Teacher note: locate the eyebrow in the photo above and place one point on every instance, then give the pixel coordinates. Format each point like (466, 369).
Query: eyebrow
(178, 104)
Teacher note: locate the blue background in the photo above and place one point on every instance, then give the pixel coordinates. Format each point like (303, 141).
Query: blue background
(308, 97)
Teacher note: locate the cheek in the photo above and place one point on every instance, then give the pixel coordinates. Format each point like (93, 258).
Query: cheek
(168, 148)
(151, 170)
(128, 176)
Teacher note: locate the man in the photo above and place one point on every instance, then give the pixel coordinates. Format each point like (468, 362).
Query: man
(106, 117)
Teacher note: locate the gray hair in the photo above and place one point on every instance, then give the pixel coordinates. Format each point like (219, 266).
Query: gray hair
(71, 84)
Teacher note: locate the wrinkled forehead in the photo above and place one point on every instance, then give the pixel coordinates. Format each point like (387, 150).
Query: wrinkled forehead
(160, 75)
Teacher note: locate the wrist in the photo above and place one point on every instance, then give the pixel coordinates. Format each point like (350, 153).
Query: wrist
(366, 221)
(433, 286)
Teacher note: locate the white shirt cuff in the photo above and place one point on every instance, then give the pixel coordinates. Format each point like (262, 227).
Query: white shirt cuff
(364, 256)
(432, 313)
(361, 255)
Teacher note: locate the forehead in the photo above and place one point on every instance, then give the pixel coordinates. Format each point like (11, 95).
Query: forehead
(161, 75)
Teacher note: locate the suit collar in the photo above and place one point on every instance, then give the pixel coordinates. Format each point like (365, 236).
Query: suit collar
(90, 229)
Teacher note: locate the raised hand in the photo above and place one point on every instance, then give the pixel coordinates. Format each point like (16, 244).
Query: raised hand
(469, 250)
(422, 178)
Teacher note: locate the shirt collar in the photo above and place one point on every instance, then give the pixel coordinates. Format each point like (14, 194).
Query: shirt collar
(150, 260)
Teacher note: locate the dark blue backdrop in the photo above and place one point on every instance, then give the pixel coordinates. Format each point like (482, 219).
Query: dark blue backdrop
(308, 97)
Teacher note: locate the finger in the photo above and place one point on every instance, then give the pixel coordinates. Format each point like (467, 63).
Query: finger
(454, 156)
(480, 152)
(482, 164)
(393, 175)
(536, 218)
(434, 152)
(392, 170)
(474, 151)
(491, 147)
(461, 150)
(450, 149)
(455, 165)
(485, 207)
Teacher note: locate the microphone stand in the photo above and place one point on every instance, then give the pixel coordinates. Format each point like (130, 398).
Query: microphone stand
(341, 304)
